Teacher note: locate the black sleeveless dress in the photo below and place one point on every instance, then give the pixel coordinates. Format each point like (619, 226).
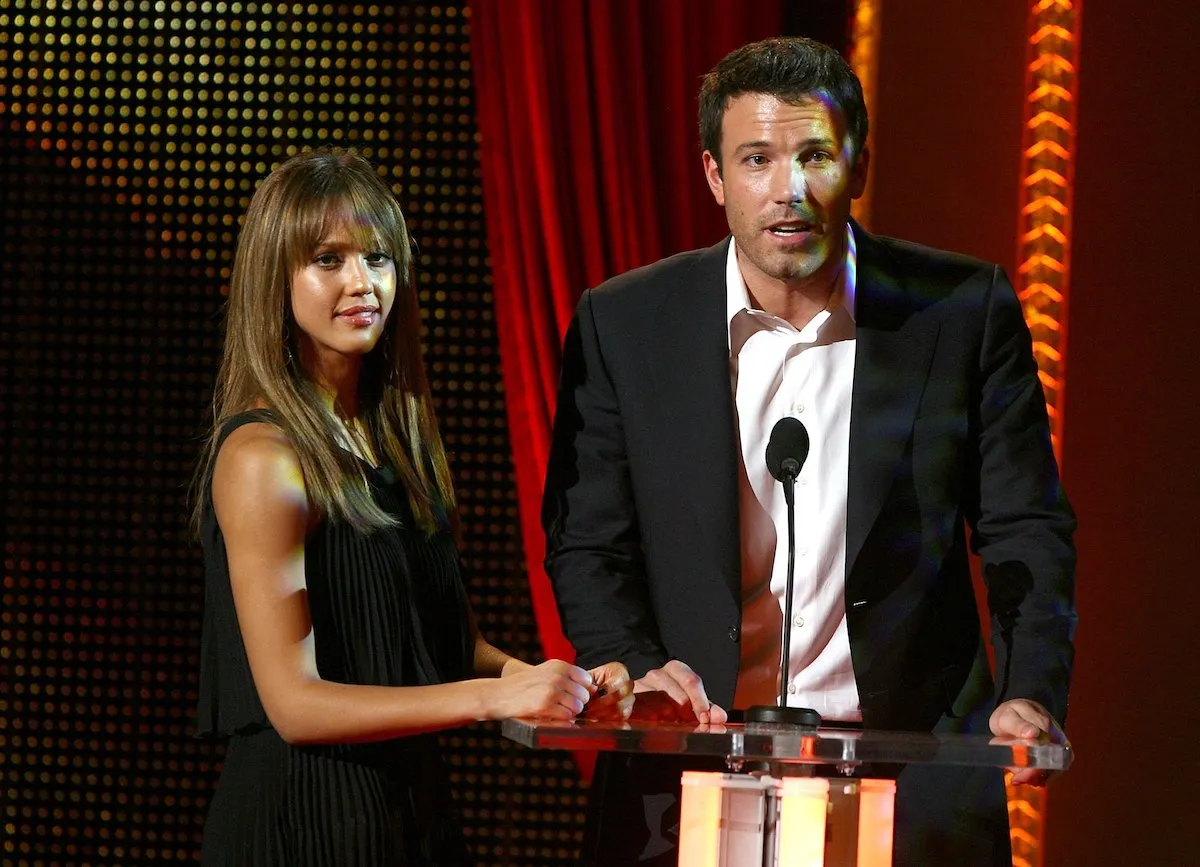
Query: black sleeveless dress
(389, 609)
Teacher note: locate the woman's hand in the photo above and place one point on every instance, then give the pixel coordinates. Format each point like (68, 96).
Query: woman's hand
(613, 699)
(552, 690)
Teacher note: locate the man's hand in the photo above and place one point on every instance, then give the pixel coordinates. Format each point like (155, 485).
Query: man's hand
(613, 698)
(684, 689)
(1022, 718)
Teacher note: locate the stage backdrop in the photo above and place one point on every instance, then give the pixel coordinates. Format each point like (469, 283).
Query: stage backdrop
(132, 133)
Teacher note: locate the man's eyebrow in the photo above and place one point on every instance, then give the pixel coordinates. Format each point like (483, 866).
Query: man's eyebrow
(811, 142)
(752, 146)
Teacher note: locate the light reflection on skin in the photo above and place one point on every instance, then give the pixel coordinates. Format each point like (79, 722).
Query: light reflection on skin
(799, 180)
(799, 184)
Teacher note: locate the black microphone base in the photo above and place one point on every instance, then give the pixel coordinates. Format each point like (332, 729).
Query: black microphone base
(768, 714)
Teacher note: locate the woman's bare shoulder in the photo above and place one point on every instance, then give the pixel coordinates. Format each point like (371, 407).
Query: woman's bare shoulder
(257, 465)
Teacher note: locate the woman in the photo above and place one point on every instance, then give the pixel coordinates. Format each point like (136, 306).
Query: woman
(337, 633)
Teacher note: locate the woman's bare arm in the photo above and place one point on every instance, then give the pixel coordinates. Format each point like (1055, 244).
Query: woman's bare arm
(261, 506)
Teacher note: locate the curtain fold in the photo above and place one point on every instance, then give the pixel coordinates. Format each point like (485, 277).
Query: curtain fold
(591, 166)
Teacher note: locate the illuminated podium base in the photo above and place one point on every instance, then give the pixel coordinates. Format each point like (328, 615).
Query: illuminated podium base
(747, 820)
(785, 815)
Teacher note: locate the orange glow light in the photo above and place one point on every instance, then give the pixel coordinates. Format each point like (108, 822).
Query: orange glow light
(803, 803)
(700, 819)
(722, 818)
(864, 60)
(1044, 252)
(876, 815)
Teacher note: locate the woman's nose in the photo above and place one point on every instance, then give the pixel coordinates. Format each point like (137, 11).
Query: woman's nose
(359, 276)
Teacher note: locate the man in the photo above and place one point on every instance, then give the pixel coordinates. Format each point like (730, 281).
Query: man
(913, 373)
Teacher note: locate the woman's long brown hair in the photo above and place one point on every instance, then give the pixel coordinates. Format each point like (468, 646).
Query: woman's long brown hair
(292, 210)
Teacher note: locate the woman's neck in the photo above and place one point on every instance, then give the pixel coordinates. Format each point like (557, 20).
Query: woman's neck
(336, 378)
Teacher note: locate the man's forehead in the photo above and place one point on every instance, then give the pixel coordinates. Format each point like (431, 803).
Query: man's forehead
(752, 110)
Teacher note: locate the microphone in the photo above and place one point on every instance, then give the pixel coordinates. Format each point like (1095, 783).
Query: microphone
(787, 450)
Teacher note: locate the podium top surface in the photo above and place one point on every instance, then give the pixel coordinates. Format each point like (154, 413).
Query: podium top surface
(821, 746)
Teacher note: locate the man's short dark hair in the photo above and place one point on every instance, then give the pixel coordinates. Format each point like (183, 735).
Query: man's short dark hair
(790, 69)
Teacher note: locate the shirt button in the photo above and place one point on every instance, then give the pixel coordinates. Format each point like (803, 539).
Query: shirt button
(799, 408)
(735, 633)
(791, 689)
(799, 621)
(803, 483)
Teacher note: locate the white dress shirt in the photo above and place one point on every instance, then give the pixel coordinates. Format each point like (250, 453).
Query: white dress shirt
(776, 371)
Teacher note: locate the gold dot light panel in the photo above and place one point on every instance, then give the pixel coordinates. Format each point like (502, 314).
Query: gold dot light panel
(132, 134)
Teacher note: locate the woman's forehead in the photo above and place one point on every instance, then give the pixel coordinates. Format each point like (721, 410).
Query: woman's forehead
(342, 222)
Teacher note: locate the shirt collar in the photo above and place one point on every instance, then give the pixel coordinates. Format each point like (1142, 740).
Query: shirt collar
(737, 296)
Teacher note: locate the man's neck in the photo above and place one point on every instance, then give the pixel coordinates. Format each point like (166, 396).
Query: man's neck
(795, 301)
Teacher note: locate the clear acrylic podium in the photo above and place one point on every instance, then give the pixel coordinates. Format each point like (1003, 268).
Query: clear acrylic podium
(793, 797)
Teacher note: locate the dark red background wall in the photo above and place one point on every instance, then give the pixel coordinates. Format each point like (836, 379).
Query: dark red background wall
(947, 163)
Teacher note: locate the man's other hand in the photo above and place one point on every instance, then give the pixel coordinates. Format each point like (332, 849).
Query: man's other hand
(684, 688)
(613, 699)
(1023, 718)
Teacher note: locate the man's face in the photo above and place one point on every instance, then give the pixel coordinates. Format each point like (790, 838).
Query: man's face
(787, 177)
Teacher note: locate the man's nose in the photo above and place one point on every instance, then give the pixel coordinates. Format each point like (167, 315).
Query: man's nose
(791, 185)
(797, 182)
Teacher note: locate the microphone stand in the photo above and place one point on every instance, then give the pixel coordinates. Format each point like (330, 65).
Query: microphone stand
(790, 471)
(803, 717)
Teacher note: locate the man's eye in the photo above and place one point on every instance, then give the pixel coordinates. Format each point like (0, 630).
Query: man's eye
(756, 160)
(819, 157)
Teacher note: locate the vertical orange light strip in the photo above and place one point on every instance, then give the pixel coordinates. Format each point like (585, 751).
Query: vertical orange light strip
(864, 59)
(1044, 250)
(1045, 225)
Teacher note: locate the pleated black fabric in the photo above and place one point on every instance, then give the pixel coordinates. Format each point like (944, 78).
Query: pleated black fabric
(388, 609)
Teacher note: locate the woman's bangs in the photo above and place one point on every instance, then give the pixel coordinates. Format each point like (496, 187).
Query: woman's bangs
(374, 222)
(308, 223)
(366, 212)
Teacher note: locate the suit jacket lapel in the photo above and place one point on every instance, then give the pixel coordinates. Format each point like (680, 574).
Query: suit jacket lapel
(691, 374)
(894, 349)
(690, 366)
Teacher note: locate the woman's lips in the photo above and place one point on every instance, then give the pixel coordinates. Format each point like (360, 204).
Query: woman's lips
(360, 316)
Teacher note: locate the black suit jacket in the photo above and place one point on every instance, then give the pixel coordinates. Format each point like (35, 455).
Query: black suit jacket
(948, 437)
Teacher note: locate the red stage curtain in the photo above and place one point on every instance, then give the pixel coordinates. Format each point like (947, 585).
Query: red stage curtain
(591, 166)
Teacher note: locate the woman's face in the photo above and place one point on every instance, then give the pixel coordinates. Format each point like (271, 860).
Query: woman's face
(341, 296)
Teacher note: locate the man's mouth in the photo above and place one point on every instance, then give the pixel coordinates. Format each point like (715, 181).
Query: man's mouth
(786, 230)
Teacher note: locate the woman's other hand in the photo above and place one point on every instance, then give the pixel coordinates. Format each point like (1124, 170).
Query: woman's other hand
(552, 690)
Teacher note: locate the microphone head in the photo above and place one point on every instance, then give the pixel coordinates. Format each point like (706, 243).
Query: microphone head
(787, 449)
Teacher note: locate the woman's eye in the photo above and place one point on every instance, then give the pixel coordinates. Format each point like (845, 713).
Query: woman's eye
(378, 259)
(327, 260)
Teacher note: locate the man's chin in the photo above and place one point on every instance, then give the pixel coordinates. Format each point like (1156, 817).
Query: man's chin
(787, 266)
(793, 269)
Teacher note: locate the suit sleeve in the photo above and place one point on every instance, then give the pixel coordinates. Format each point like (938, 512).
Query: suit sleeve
(1023, 526)
(593, 542)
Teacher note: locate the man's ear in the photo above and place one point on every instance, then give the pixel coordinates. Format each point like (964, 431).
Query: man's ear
(858, 180)
(712, 174)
